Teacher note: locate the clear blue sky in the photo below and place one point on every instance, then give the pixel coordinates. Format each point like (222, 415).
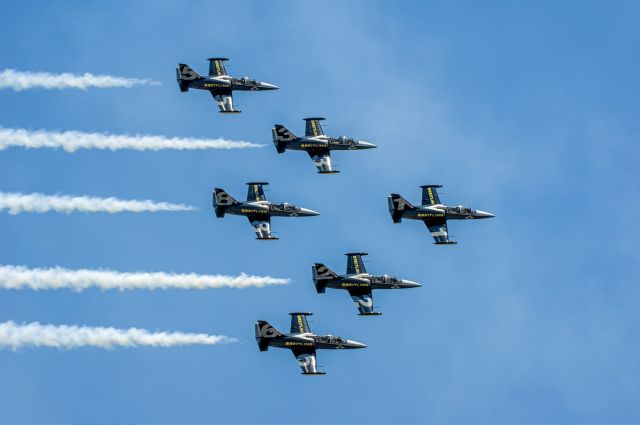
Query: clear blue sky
(525, 109)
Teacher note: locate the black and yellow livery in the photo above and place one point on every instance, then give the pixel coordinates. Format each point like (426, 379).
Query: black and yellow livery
(256, 208)
(357, 282)
(432, 212)
(301, 341)
(316, 143)
(218, 83)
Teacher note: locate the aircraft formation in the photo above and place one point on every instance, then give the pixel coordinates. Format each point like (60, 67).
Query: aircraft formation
(356, 281)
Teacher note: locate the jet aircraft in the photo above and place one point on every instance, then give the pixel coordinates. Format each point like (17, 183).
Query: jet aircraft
(317, 144)
(301, 341)
(432, 212)
(218, 83)
(257, 209)
(357, 281)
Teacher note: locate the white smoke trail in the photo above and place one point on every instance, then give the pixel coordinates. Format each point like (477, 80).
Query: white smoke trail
(36, 335)
(20, 277)
(71, 141)
(17, 203)
(25, 80)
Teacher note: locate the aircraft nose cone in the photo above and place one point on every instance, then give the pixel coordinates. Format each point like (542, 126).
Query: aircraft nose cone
(483, 214)
(308, 212)
(355, 344)
(267, 86)
(365, 145)
(410, 284)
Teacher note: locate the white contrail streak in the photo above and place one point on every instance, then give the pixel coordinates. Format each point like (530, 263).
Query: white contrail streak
(20, 277)
(25, 80)
(16, 336)
(71, 141)
(17, 203)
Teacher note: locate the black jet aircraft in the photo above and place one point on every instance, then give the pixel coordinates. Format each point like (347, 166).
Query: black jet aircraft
(301, 341)
(432, 212)
(317, 144)
(218, 83)
(357, 281)
(257, 209)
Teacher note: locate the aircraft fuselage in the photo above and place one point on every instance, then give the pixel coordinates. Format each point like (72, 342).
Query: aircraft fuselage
(225, 83)
(319, 342)
(267, 208)
(326, 142)
(367, 281)
(442, 211)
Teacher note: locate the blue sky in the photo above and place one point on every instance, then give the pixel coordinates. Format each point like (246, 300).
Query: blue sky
(527, 110)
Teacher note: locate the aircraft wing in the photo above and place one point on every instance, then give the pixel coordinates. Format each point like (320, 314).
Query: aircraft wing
(438, 228)
(364, 300)
(322, 159)
(261, 225)
(307, 360)
(224, 99)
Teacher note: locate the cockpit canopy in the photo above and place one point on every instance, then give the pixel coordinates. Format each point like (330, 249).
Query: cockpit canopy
(461, 210)
(385, 279)
(332, 339)
(344, 140)
(247, 81)
(286, 207)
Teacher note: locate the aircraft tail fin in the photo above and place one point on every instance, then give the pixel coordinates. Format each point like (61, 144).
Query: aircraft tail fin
(264, 334)
(185, 75)
(313, 127)
(281, 137)
(355, 265)
(221, 201)
(397, 206)
(430, 194)
(216, 67)
(322, 274)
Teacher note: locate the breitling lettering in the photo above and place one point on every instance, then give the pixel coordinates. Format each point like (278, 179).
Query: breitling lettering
(300, 325)
(356, 266)
(431, 199)
(298, 344)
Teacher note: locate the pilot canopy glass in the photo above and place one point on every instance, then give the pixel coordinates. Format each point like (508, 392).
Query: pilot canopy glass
(332, 339)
